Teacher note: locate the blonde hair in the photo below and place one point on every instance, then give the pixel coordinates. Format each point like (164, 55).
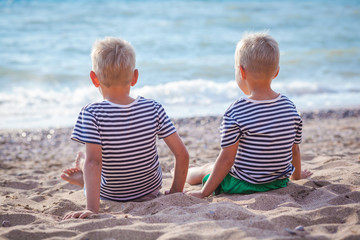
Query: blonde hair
(258, 53)
(113, 61)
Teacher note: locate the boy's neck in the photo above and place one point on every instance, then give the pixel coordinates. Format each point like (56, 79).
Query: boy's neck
(261, 90)
(258, 85)
(263, 95)
(118, 95)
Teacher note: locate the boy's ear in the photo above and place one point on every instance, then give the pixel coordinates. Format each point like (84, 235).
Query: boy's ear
(94, 79)
(135, 77)
(277, 72)
(242, 72)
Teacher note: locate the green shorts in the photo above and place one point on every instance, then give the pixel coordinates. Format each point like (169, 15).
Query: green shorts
(233, 185)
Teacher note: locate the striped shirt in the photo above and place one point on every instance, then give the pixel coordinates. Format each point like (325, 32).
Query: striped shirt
(266, 131)
(127, 135)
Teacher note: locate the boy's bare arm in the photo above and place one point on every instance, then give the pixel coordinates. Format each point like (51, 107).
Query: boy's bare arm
(222, 166)
(178, 148)
(92, 175)
(296, 162)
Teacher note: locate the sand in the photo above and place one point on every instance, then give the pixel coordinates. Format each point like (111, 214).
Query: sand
(33, 198)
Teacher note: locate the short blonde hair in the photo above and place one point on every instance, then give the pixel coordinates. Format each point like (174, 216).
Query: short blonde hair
(113, 61)
(258, 53)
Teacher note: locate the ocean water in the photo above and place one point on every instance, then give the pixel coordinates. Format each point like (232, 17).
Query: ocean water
(185, 54)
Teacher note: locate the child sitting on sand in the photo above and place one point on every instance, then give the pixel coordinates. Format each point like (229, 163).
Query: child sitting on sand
(260, 134)
(121, 161)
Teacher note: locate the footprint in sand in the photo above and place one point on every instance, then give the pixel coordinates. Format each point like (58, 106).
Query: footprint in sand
(64, 206)
(10, 220)
(267, 202)
(26, 185)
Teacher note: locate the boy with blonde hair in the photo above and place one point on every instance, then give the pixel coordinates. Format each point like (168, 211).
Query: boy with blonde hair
(260, 133)
(121, 161)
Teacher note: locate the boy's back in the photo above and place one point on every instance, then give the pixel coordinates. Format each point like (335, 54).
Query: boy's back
(119, 133)
(127, 134)
(260, 134)
(266, 131)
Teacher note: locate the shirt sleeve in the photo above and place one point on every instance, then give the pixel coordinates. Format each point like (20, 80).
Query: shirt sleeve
(86, 129)
(164, 125)
(298, 129)
(230, 131)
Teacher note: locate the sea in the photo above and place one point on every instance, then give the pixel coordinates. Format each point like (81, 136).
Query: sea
(185, 54)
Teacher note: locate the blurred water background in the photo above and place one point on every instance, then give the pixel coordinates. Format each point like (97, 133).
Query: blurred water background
(185, 54)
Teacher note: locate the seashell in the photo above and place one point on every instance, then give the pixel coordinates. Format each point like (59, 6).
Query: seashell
(5, 223)
(292, 232)
(300, 228)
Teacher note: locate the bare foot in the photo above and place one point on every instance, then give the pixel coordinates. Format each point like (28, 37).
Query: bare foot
(306, 173)
(75, 175)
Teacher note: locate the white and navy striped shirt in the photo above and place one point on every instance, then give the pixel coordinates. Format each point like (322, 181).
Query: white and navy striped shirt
(266, 131)
(127, 135)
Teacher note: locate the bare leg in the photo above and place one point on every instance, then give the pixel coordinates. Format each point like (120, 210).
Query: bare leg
(196, 174)
(75, 175)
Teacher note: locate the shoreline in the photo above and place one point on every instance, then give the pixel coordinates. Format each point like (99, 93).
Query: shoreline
(341, 112)
(33, 198)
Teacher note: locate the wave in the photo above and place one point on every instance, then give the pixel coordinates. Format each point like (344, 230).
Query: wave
(197, 91)
(181, 99)
(207, 92)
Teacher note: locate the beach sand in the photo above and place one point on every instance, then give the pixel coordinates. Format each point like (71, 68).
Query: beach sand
(33, 198)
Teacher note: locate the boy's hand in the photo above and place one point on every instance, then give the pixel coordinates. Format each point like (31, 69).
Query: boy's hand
(305, 174)
(197, 194)
(79, 214)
